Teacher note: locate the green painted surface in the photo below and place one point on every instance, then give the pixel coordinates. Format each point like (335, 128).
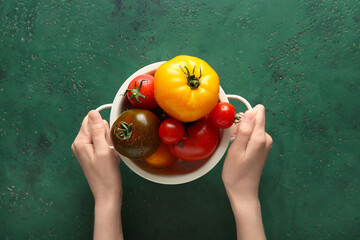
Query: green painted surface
(301, 59)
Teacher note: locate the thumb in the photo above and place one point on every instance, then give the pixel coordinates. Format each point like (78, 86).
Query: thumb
(97, 131)
(244, 130)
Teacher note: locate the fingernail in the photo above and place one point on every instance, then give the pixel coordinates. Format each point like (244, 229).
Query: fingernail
(94, 116)
(248, 115)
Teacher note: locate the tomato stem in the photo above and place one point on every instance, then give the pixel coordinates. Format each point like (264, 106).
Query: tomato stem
(187, 133)
(125, 130)
(135, 93)
(238, 117)
(193, 82)
(179, 143)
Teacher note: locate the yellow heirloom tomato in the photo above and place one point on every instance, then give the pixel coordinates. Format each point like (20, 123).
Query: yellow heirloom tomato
(186, 88)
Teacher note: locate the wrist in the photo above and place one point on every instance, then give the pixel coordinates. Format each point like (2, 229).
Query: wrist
(247, 214)
(245, 205)
(107, 224)
(243, 197)
(113, 201)
(241, 201)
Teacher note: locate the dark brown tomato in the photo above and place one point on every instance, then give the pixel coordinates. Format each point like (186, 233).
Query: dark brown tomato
(135, 133)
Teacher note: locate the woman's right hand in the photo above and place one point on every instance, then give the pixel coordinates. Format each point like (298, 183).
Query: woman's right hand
(246, 156)
(242, 170)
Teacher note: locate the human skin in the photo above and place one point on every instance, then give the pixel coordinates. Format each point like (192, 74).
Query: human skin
(100, 165)
(242, 171)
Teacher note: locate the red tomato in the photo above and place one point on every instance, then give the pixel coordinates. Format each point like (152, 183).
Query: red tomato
(200, 142)
(222, 116)
(171, 131)
(140, 92)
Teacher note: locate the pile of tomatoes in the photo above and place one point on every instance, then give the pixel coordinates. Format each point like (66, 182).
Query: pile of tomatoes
(176, 114)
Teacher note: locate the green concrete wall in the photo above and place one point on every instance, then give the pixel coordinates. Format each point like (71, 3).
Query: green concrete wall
(301, 59)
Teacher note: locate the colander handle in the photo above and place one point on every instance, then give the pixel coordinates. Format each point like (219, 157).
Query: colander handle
(105, 106)
(241, 99)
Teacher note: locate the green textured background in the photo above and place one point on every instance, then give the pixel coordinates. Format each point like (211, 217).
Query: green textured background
(301, 59)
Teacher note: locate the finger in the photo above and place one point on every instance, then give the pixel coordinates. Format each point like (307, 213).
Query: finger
(269, 141)
(107, 133)
(233, 130)
(97, 131)
(116, 156)
(109, 141)
(82, 150)
(259, 128)
(244, 130)
(73, 149)
(84, 133)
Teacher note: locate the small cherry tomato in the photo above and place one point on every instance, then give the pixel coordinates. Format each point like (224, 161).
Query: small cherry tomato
(162, 158)
(171, 131)
(140, 92)
(222, 116)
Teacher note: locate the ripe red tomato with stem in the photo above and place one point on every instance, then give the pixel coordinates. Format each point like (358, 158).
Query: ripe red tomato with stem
(199, 142)
(140, 92)
(223, 115)
(171, 131)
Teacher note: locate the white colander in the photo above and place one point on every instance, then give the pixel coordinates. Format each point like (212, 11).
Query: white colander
(182, 171)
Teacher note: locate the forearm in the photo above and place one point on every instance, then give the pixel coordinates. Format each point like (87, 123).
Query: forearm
(248, 220)
(107, 224)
